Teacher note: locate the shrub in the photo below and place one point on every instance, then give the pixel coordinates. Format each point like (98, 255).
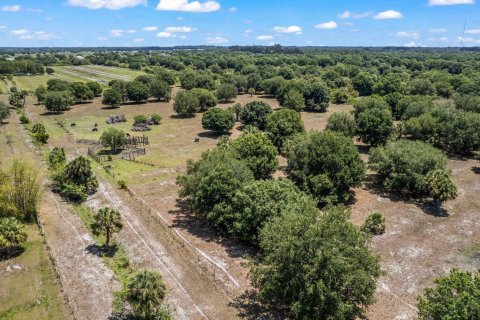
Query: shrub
(112, 98)
(58, 101)
(375, 224)
(74, 192)
(226, 92)
(122, 184)
(256, 114)
(140, 119)
(403, 165)
(156, 119)
(339, 96)
(317, 96)
(186, 104)
(374, 126)
(325, 164)
(218, 120)
(113, 138)
(294, 100)
(41, 137)
(4, 111)
(12, 235)
(205, 97)
(24, 119)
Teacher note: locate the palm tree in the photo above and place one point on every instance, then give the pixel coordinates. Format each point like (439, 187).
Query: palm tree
(12, 234)
(145, 292)
(106, 222)
(79, 171)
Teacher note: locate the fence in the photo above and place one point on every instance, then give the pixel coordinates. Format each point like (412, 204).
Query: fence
(130, 155)
(136, 141)
(87, 141)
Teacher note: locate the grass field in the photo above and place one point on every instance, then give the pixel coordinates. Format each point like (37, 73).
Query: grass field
(28, 286)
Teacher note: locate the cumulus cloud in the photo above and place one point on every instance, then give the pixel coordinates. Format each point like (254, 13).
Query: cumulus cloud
(449, 2)
(3, 27)
(472, 31)
(438, 30)
(188, 6)
(138, 40)
(353, 15)
(106, 4)
(150, 28)
(468, 40)
(290, 29)
(389, 14)
(117, 33)
(164, 34)
(25, 34)
(264, 37)
(179, 29)
(216, 40)
(408, 34)
(327, 25)
(14, 8)
(19, 32)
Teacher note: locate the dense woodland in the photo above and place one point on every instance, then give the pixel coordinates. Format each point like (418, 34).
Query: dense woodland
(414, 108)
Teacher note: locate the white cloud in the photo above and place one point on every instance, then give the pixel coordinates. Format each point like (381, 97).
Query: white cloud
(34, 10)
(102, 38)
(443, 39)
(179, 29)
(3, 27)
(408, 34)
(131, 31)
(138, 40)
(389, 14)
(327, 25)
(187, 6)
(14, 8)
(264, 38)
(117, 33)
(290, 29)
(449, 2)
(468, 40)
(107, 4)
(472, 31)
(438, 30)
(19, 32)
(411, 44)
(38, 35)
(165, 34)
(353, 15)
(216, 40)
(248, 31)
(233, 9)
(150, 29)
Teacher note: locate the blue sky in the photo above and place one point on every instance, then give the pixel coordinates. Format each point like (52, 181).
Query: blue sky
(242, 22)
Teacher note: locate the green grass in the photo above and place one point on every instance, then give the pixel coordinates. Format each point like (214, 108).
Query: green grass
(31, 83)
(32, 292)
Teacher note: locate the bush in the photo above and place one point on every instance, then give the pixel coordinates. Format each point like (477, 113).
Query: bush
(113, 138)
(455, 297)
(186, 104)
(24, 119)
(339, 96)
(282, 125)
(255, 114)
(156, 119)
(41, 137)
(139, 119)
(374, 126)
(317, 96)
(122, 184)
(112, 98)
(325, 164)
(206, 98)
(74, 192)
(375, 224)
(318, 266)
(294, 100)
(404, 165)
(342, 122)
(218, 120)
(4, 111)
(226, 92)
(12, 235)
(58, 101)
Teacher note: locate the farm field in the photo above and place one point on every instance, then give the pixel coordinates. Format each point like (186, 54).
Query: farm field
(417, 240)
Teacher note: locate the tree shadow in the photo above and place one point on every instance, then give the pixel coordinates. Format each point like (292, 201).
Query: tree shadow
(373, 183)
(110, 108)
(363, 149)
(102, 251)
(12, 254)
(199, 227)
(265, 96)
(49, 113)
(213, 134)
(249, 307)
(181, 116)
(476, 170)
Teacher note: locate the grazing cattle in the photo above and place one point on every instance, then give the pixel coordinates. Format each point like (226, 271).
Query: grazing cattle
(94, 129)
(128, 134)
(96, 125)
(73, 125)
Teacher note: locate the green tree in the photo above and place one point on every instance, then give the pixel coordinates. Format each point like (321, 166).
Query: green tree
(212, 179)
(137, 91)
(455, 297)
(4, 111)
(186, 104)
(24, 178)
(226, 92)
(79, 172)
(258, 152)
(363, 83)
(254, 205)
(282, 125)
(319, 266)
(421, 87)
(144, 292)
(339, 96)
(441, 187)
(317, 96)
(58, 101)
(236, 109)
(255, 114)
(374, 126)
(326, 164)
(403, 165)
(252, 91)
(106, 222)
(294, 100)
(95, 87)
(375, 224)
(160, 90)
(40, 93)
(112, 98)
(81, 92)
(50, 70)
(12, 235)
(113, 138)
(218, 120)
(57, 158)
(342, 122)
(206, 98)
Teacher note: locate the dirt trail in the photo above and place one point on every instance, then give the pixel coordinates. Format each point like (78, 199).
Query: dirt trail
(191, 294)
(87, 283)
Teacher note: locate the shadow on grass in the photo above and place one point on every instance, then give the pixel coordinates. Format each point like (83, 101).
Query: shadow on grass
(476, 170)
(373, 183)
(213, 134)
(199, 227)
(11, 254)
(181, 116)
(249, 307)
(102, 251)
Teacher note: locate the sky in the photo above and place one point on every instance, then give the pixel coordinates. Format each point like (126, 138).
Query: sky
(85, 23)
